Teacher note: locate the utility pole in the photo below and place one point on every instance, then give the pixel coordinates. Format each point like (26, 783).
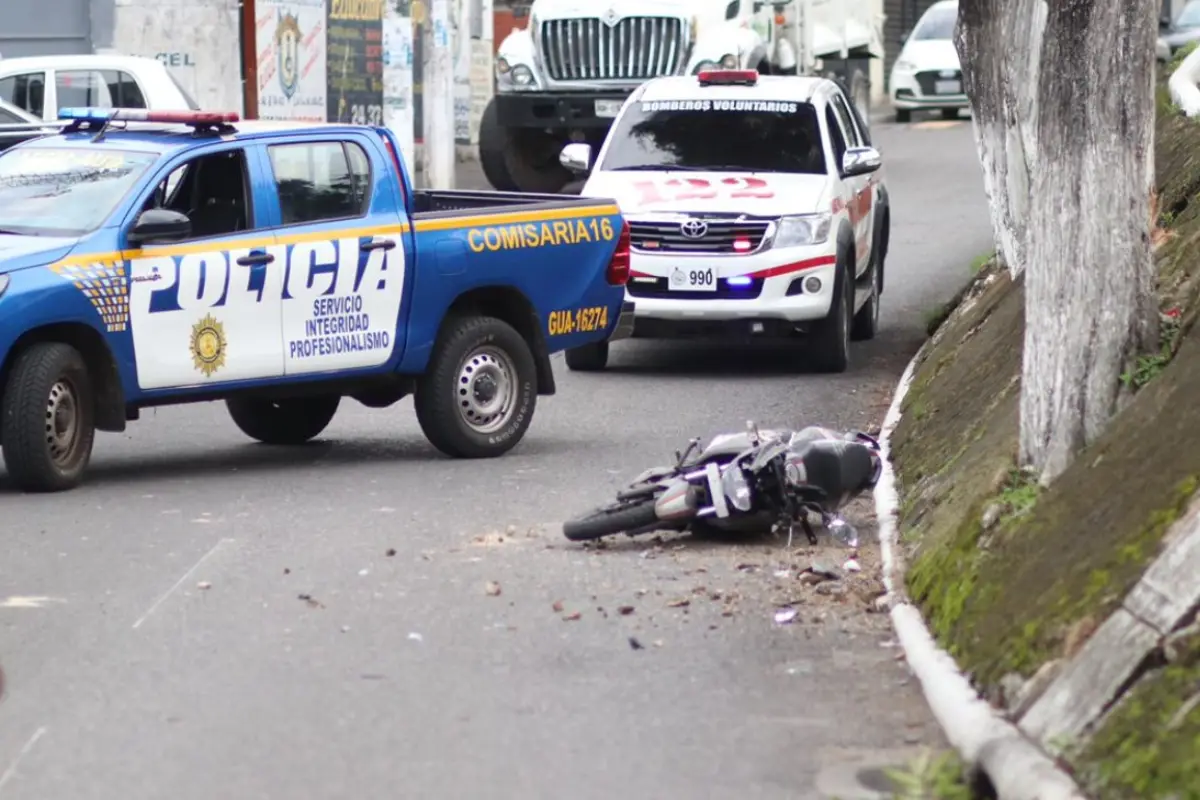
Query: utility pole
(438, 98)
(249, 30)
(398, 78)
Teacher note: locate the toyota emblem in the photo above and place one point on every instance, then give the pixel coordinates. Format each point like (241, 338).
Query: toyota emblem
(693, 228)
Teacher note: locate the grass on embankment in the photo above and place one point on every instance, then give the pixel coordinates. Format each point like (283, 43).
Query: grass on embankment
(1009, 576)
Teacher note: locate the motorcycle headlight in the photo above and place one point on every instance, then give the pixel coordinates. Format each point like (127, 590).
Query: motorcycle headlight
(734, 484)
(704, 65)
(802, 230)
(3, 283)
(729, 61)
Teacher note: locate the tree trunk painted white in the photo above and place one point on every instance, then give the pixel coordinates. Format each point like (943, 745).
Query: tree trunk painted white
(1089, 305)
(998, 45)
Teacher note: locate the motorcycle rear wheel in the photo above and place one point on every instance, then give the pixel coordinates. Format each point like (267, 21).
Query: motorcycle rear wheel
(606, 521)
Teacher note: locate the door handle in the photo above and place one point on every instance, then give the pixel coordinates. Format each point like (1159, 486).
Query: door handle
(255, 259)
(386, 244)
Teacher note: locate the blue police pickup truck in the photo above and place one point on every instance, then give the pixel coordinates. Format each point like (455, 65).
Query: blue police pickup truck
(152, 258)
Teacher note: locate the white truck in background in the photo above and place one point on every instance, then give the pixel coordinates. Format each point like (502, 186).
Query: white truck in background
(563, 77)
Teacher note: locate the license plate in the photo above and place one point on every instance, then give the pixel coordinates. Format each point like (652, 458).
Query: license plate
(693, 279)
(608, 108)
(948, 87)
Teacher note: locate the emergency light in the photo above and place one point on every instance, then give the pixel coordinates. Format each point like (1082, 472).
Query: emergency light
(728, 77)
(102, 115)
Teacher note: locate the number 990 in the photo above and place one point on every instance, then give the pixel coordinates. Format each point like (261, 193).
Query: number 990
(700, 277)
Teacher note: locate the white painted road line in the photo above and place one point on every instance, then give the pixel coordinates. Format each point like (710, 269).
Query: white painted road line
(12, 768)
(179, 582)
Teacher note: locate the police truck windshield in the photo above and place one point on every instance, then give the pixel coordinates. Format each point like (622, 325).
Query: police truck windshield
(64, 191)
(718, 136)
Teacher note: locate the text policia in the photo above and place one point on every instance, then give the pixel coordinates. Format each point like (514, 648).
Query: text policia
(335, 297)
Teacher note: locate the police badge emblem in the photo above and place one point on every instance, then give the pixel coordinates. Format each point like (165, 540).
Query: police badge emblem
(287, 53)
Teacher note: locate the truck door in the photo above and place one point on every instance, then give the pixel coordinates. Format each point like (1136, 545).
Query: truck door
(206, 310)
(345, 243)
(861, 199)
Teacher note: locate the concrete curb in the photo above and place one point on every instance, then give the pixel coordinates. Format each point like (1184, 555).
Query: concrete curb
(1016, 767)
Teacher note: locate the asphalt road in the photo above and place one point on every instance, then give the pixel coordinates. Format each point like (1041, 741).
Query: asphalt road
(213, 618)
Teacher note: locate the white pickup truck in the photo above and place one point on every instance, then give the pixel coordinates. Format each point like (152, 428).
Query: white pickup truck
(563, 77)
(41, 85)
(757, 207)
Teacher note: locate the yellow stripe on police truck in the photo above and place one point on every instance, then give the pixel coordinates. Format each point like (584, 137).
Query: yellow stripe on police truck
(579, 320)
(540, 234)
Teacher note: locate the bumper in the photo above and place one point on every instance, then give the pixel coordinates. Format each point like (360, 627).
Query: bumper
(917, 90)
(624, 326)
(778, 293)
(558, 109)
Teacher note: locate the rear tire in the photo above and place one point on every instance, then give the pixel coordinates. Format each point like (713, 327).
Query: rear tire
(866, 321)
(610, 520)
(293, 421)
(47, 420)
(478, 396)
(588, 358)
(830, 341)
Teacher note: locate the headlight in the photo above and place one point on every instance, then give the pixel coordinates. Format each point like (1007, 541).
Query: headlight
(734, 484)
(905, 66)
(704, 65)
(729, 61)
(522, 76)
(502, 66)
(3, 283)
(803, 230)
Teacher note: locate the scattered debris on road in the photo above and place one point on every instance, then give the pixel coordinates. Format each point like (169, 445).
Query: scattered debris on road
(416, 637)
(785, 615)
(625, 611)
(203, 585)
(574, 616)
(557, 605)
(635, 644)
(492, 589)
(312, 603)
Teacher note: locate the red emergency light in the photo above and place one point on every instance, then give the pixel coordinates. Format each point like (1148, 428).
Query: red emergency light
(728, 77)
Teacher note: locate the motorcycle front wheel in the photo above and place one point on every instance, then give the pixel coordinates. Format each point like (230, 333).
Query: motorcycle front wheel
(619, 518)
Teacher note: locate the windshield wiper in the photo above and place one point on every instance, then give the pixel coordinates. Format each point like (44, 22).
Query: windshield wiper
(660, 168)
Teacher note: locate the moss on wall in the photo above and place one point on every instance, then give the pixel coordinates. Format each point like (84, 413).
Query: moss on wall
(1003, 590)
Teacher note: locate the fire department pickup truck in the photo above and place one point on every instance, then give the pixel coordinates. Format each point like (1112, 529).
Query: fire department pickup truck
(162, 257)
(756, 204)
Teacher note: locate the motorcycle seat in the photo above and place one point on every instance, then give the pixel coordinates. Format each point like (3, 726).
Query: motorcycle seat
(837, 466)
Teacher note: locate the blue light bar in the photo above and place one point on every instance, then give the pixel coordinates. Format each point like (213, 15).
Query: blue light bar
(88, 114)
(740, 281)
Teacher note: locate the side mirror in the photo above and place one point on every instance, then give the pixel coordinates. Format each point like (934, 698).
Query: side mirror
(159, 225)
(860, 161)
(905, 34)
(577, 157)
(1164, 23)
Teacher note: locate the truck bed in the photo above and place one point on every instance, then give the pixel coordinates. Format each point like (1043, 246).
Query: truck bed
(446, 202)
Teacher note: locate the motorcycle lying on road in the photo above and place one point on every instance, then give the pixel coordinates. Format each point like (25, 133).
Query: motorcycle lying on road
(746, 482)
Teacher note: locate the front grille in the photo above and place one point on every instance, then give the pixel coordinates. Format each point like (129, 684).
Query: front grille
(635, 48)
(643, 287)
(667, 237)
(928, 80)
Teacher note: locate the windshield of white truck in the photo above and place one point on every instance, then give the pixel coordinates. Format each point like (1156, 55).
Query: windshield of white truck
(717, 136)
(64, 191)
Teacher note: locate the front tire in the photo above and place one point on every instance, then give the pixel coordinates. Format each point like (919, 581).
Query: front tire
(493, 141)
(830, 340)
(903, 115)
(623, 518)
(293, 421)
(588, 358)
(478, 397)
(949, 113)
(48, 419)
